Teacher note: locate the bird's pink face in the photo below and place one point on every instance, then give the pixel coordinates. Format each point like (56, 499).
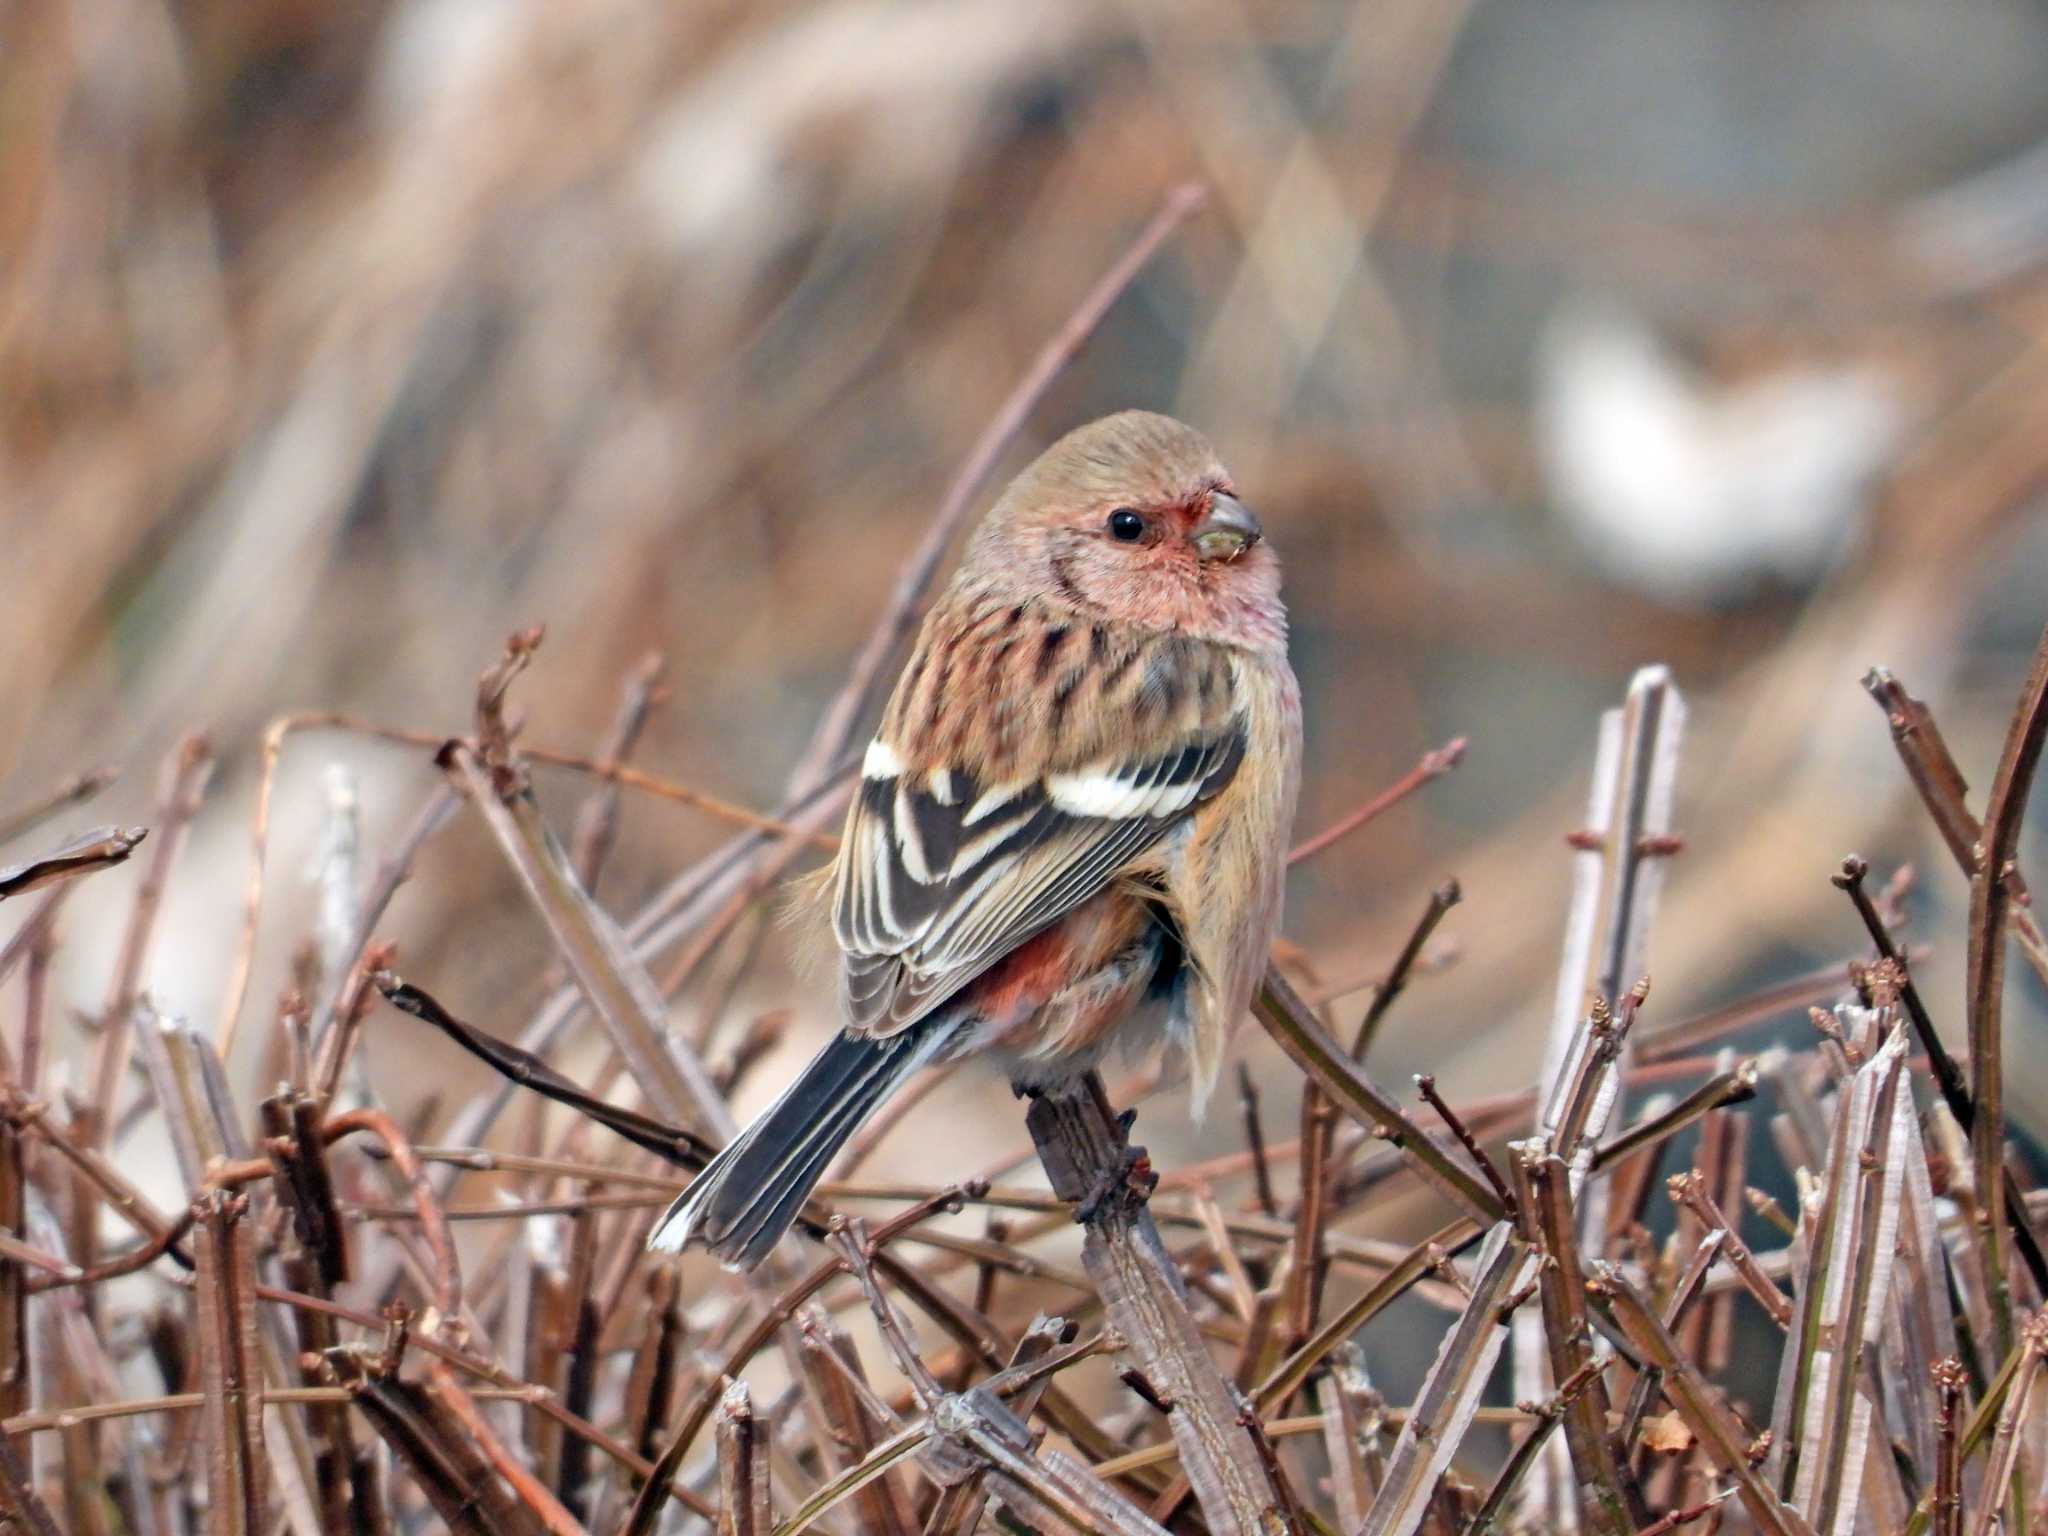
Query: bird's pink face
(1195, 563)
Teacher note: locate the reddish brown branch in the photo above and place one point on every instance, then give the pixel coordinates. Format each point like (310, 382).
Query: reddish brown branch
(434, 1227)
(1991, 902)
(1433, 765)
(1441, 900)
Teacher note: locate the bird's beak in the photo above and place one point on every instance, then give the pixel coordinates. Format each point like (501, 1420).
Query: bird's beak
(1226, 530)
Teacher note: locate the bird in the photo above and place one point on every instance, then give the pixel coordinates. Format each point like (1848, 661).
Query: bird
(1069, 831)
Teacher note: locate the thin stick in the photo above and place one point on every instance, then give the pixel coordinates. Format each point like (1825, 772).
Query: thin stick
(1610, 1499)
(459, 1405)
(1294, 1028)
(1948, 1077)
(1794, 996)
(1735, 1086)
(536, 1397)
(76, 790)
(1700, 1405)
(1934, 773)
(101, 848)
(1548, 1416)
(1433, 765)
(1984, 976)
(440, 1245)
(1425, 1084)
(628, 777)
(676, 1145)
(337, 1017)
(1441, 900)
(184, 781)
(597, 819)
(1255, 1139)
(1950, 1382)
(1689, 1189)
(1296, 1369)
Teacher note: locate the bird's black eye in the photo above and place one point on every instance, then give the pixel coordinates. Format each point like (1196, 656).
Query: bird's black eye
(1126, 526)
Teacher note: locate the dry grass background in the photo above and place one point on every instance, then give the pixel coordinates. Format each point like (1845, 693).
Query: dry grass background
(337, 341)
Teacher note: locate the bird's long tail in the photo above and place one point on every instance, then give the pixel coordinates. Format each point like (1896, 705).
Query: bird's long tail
(748, 1195)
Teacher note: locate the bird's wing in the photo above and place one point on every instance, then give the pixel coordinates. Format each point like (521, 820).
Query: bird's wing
(940, 876)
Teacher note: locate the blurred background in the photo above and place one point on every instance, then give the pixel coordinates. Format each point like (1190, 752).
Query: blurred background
(1549, 339)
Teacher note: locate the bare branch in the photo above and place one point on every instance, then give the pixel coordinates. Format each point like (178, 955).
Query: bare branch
(1090, 1163)
(1991, 902)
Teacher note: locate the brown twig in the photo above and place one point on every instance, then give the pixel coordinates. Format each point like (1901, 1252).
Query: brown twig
(1701, 1407)
(76, 790)
(1610, 1499)
(1689, 1189)
(1255, 1139)
(448, 1393)
(1934, 773)
(1450, 1393)
(1294, 1028)
(2000, 1489)
(1948, 1076)
(959, 1506)
(231, 1371)
(856, 1421)
(140, 1257)
(338, 1013)
(1425, 1084)
(119, 1192)
(538, 1398)
(1308, 1252)
(1548, 1416)
(743, 1492)
(101, 848)
(21, 1509)
(274, 736)
(625, 776)
(1678, 1519)
(446, 1465)
(650, 1386)
(1296, 1369)
(1991, 901)
(1735, 1086)
(15, 1379)
(597, 819)
(1690, 1286)
(1433, 764)
(618, 986)
(1794, 996)
(185, 776)
(1950, 1381)
(678, 1146)
(779, 1314)
(1441, 900)
(440, 1245)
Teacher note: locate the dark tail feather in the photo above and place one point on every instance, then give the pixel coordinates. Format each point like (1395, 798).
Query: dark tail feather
(748, 1195)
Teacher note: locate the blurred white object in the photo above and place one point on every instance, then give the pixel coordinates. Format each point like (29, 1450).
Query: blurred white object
(1691, 494)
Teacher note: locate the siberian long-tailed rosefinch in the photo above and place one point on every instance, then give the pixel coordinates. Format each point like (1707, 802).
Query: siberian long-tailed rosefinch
(1072, 823)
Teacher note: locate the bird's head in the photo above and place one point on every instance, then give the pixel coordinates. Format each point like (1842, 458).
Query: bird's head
(1133, 520)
